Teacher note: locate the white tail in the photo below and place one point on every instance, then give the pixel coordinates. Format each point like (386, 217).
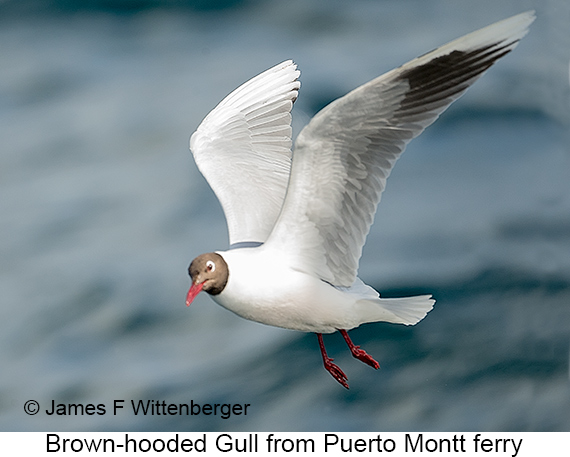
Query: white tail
(404, 310)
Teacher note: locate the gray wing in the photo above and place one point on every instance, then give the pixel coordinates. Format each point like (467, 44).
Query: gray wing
(243, 149)
(343, 157)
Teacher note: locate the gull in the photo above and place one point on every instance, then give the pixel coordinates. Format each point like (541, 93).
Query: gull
(298, 219)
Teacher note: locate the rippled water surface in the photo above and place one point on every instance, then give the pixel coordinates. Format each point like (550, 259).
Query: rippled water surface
(103, 208)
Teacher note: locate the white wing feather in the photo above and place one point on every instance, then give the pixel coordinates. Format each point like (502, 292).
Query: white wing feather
(343, 157)
(243, 149)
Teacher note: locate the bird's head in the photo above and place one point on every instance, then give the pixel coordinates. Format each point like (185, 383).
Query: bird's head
(209, 272)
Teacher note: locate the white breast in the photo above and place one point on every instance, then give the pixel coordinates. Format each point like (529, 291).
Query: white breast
(263, 288)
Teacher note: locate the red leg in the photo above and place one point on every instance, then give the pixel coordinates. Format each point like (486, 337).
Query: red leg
(333, 369)
(360, 354)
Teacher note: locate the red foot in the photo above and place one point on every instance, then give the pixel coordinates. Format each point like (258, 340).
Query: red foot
(332, 368)
(358, 353)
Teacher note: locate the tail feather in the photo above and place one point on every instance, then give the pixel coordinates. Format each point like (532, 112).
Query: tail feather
(404, 310)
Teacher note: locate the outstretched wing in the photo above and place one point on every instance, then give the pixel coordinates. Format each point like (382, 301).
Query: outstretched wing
(243, 149)
(343, 157)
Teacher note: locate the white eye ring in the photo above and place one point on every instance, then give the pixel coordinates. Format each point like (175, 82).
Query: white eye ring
(210, 266)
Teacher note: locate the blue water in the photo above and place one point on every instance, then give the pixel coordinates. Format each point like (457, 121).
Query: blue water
(103, 208)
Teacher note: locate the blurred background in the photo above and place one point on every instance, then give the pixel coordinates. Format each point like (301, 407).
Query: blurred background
(102, 209)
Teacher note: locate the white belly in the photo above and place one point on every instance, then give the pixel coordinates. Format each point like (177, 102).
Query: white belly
(264, 289)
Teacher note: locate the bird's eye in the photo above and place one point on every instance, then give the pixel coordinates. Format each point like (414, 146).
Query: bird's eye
(210, 266)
